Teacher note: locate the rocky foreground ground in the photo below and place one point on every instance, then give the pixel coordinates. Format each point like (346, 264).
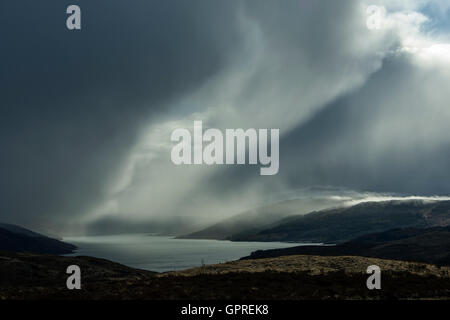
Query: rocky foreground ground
(32, 276)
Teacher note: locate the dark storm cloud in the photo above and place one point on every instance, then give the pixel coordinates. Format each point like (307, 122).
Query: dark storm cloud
(72, 102)
(83, 112)
(387, 136)
(292, 50)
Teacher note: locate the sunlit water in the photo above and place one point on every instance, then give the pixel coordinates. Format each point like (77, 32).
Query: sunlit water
(159, 253)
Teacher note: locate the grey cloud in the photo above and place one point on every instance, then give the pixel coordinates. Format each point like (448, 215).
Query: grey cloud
(387, 136)
(72, 103)
(296, 57)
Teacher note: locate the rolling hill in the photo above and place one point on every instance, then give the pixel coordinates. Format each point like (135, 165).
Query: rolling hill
(295, 277)
(17, 239)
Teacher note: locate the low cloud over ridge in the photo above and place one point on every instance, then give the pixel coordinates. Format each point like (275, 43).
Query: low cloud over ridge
(86, 118)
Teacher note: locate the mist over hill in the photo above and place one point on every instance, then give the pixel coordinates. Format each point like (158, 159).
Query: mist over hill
(333, 225)
(253, 221)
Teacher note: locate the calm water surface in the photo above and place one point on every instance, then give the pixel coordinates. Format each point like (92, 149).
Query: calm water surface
(161, 253)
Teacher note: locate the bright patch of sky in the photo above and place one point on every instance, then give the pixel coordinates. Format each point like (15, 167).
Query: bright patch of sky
(439, 23)
(423, 27)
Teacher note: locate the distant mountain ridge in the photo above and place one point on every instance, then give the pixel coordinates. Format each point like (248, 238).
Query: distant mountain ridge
(337, 225)
(17, 239)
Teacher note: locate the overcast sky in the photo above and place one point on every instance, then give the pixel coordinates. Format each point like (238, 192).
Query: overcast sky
(86, 116)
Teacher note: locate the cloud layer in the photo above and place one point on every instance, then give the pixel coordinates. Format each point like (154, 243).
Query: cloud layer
(86, 117)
